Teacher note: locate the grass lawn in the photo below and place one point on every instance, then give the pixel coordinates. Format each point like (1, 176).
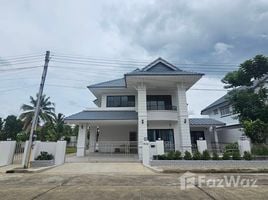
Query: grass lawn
(70, 150)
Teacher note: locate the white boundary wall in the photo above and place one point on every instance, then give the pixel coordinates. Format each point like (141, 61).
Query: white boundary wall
(57, 149)
(7, 150)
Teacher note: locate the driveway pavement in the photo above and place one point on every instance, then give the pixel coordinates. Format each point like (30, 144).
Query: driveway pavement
(100, 168)
(139, 183)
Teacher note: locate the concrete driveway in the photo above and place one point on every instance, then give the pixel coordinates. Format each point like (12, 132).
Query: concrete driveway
(100, 168)
(111, 181)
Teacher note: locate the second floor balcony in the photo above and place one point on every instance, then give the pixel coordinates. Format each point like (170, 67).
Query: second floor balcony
(161, 107)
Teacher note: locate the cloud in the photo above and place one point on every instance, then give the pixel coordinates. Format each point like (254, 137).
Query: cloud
(193, 30)
(205, 31)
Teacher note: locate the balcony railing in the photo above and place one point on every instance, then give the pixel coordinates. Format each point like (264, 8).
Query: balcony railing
(157, 107)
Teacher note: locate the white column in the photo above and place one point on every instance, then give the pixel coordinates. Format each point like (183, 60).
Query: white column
(142, 117)
(201, 145)
(182, 136)
(92, 138)
(60, 152)
(81, 140)
(146, 153)
(160, 147)
(244, 145)
(216, 139)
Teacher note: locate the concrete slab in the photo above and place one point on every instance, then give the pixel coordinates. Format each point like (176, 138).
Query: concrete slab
(102, 157)
(100, 168)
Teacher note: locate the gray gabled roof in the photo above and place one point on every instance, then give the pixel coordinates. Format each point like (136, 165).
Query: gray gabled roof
(130, 115)
(205, 122)
(160, 67)
(116, 83)
(222, 100)
(103, 115)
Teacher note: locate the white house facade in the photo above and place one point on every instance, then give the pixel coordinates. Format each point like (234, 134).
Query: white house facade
(148, 103)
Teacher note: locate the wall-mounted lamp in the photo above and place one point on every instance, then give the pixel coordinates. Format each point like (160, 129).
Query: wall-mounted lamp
(184, 121)
(142, 121)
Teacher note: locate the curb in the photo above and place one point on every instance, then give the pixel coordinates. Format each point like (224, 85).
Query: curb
(231, 170)
(30, 170)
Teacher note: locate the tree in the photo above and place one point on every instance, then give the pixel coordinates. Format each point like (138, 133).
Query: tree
(58, 121)
(1, 127)
(249, 97)
(46, 113)
(12, 126)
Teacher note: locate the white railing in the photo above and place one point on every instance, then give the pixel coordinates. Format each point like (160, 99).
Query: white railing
(116, 147)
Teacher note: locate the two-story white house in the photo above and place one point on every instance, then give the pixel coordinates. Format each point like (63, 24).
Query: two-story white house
(148, 103)
(222, 110)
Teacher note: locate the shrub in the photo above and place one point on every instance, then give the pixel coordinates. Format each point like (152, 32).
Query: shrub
(247, 155)
(161, 157)
(170, 155)
(177, 155)
(236, 155)
(187, 155)
(231, 147)
(226, 156)
(45, 156)
(260, 149)
(206, 155)
(215, 156)
(197, 155)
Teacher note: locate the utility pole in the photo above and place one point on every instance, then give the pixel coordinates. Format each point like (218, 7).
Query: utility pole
(36, 112)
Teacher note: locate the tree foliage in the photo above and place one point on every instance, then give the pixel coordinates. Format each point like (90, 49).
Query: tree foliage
(46, 113)
(249, 96)
(11, 126)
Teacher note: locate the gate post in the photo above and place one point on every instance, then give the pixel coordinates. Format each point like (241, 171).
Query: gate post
(7, 149)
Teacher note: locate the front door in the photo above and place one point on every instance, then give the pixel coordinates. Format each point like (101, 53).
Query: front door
(133, 142)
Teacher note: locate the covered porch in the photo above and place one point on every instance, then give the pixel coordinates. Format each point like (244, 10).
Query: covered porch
(106, 133)
(205, 129)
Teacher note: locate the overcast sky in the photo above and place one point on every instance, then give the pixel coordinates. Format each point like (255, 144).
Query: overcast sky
(201, 31)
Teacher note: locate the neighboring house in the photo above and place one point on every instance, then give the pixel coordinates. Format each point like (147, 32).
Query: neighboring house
(147, 103)
(222, 110)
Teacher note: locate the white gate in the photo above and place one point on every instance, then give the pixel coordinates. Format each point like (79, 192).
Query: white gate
(19, 150)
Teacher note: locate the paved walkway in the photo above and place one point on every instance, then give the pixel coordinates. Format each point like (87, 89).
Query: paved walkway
(100, 168)
(101, 157)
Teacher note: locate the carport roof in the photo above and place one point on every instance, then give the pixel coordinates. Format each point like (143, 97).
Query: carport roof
(205, 122)
(103, 115)
(131, 115)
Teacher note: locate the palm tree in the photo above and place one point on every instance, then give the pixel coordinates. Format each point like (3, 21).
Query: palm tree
(58, 121)
(46, 112)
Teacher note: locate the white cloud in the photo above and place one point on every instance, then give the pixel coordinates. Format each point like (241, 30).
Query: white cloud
(186, 31)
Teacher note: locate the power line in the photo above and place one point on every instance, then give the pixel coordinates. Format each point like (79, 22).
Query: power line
(13, 89)
(77, 56)
(18, 69)
(21, 58)
(133, 65)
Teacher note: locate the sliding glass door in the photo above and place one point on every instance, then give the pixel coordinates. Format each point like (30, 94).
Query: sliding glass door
(164, 134)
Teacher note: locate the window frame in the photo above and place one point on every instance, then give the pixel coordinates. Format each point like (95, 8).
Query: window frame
(129, 102)
(223, 109)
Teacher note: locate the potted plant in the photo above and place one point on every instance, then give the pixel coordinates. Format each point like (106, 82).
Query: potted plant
(43, 160)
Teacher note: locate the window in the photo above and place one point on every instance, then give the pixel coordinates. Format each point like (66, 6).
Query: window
(159, 102)
(225, 110)
(120, 101)
(215, 111)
